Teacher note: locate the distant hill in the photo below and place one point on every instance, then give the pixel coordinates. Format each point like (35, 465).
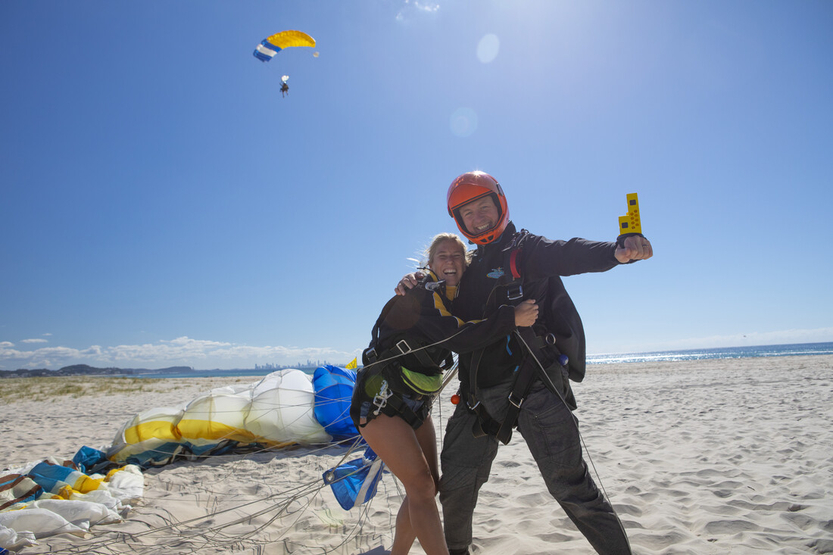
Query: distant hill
(86, 370)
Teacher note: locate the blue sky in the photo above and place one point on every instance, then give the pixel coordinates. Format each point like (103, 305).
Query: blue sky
(163, 205)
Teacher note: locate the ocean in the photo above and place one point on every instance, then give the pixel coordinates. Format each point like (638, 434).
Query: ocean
(657, 356)
(797, 349)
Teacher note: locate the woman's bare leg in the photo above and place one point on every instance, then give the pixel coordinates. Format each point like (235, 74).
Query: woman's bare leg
(404, 536)
(401, 449)
(427, 439)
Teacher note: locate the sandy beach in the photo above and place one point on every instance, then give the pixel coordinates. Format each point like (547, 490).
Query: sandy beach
(727, 456)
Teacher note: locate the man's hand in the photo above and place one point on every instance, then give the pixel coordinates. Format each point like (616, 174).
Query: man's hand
(408, 282)
(526, 313)
(636, 248)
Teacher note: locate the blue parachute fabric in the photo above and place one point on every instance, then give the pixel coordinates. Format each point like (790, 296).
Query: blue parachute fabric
(333, 387)
(217, 449)
(52, 477)
(158, 456)
(165, 453)
(354, 482)
(266, 51)
(89, 460)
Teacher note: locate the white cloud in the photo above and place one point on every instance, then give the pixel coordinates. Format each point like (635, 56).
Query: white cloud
(182, 351)
(34, 341)
(412, 7)
(206, 354)
(429, 7)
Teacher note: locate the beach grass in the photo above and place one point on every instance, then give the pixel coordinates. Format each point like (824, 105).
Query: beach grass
(42, 389)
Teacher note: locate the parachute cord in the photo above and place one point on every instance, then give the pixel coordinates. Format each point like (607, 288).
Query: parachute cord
(574, 420)
(301, 490)
(394, 357)
(310, 488)
(450, 374)
(353, 448)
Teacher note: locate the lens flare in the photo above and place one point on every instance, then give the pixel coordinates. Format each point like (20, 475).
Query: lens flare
(463, 122)
(488, 48)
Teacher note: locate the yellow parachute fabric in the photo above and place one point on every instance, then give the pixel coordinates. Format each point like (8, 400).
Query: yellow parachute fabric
(287, 39)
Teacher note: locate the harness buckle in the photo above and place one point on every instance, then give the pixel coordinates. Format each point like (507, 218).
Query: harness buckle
(549, 339)
(514, 404)
(403, 347)
(380, 400)
(514, 292)
(371, 354)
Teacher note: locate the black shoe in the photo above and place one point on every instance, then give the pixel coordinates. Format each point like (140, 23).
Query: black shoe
(458, 551)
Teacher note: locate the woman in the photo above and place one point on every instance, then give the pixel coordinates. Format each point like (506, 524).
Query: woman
(411, 347)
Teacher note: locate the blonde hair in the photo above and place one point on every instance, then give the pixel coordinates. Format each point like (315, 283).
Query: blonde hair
(441, 238)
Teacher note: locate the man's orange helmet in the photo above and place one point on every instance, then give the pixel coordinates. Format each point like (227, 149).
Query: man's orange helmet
(472, 186)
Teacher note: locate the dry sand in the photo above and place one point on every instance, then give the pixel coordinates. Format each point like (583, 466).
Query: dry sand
(702, 457)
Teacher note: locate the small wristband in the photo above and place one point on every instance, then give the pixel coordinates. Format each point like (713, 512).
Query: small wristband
(620, 241)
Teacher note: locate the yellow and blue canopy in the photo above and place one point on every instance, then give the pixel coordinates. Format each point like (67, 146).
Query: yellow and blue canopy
(270, 46)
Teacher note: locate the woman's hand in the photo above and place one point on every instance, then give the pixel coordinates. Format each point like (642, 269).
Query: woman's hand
(526, 313)
(408, 282)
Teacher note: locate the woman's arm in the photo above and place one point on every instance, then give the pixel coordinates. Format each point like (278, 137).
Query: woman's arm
(438, 324)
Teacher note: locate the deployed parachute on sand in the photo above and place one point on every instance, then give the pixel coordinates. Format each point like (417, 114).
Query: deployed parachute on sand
(284, 408)
(59, 497)
(278, 410)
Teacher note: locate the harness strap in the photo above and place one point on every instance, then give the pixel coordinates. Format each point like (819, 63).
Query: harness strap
(420, 354)
(513, 263)
(407, 414)
(524, 378)
(523, 382)
(484, 424)
(473, 403)
(529, 370)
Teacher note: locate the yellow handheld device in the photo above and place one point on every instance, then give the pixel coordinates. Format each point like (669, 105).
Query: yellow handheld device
(631, 223)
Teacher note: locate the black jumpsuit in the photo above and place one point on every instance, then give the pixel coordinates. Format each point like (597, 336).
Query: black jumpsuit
(421, 318)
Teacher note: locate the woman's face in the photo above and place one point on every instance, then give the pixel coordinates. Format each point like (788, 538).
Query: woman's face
(448, 262)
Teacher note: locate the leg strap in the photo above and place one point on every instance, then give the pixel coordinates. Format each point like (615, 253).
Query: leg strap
(405, 412)
(523, 382)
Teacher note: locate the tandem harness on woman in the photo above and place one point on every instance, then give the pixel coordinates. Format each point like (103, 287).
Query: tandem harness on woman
(400, 371)
(553, 351)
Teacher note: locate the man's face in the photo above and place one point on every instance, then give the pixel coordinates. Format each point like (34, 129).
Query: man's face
(479, 215)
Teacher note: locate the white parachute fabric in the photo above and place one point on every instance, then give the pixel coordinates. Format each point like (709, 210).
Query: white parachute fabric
(278, 410)
(55, 506)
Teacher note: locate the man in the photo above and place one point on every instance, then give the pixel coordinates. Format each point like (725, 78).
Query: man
(523, 380)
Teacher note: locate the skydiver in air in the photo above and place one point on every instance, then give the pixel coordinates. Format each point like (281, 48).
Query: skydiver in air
(284, 89)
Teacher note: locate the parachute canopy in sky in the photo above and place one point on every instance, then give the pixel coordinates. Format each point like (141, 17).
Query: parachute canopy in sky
(270, 46)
